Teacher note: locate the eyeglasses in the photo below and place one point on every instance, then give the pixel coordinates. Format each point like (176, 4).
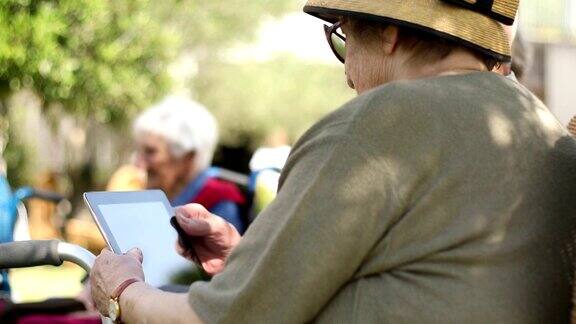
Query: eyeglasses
(336, 40)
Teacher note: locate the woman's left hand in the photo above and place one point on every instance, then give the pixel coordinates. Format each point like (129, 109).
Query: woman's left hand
(110, 271)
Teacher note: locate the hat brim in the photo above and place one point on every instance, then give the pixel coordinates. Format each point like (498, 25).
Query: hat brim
(463, 26)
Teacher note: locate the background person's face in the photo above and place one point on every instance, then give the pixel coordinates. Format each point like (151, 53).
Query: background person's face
(163, 170)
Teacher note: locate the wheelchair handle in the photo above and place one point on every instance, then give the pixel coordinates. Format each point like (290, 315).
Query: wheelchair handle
(24, 254)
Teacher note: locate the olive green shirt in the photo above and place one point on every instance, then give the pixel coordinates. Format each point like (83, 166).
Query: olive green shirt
(441, 200)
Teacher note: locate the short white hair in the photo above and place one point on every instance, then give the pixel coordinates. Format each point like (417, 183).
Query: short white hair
(185, 125)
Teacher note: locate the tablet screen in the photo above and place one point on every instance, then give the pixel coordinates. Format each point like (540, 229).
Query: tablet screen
(146, 225)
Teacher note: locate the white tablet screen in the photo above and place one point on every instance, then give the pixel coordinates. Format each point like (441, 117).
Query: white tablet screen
(146, 225)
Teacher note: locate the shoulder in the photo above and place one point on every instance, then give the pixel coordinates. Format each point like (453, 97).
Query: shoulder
(398, 111)
(434, 106)
(423, 111)
(383, 105)
(392, 106)
(416, 98)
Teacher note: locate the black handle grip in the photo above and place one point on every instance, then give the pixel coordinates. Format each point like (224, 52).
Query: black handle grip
(25, 254)
(187, 243)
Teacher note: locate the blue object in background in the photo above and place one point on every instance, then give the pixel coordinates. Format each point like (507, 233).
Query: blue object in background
(8, 214)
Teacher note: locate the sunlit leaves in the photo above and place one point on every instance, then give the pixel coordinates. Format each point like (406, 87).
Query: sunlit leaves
(101, 59)
(256, 98)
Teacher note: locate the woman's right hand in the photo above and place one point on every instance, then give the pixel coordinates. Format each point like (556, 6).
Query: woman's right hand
(213, 237)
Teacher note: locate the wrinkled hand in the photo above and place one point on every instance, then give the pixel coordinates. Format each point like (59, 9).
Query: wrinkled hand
(109, 271)
(213, 238)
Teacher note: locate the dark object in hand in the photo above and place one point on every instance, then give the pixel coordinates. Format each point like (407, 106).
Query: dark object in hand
(186, 242)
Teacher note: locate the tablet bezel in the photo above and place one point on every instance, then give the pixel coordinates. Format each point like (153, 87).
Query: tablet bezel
(95, 198)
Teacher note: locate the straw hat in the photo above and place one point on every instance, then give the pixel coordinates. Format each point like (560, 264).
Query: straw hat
(572, 126)
(473, 23)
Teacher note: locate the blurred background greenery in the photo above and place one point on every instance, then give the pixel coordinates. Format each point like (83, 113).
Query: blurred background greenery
(74, 73)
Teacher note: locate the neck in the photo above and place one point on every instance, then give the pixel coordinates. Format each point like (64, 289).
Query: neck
(457, 62)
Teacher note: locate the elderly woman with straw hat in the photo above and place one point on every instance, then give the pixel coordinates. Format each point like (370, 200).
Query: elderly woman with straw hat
(441, 194)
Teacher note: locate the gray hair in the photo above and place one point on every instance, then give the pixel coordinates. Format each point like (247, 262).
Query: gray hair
(186, 126)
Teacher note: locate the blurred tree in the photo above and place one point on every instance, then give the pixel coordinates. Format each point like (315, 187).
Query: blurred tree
(256, 98)
(17, 157)
(206, 27)
(101, 60)
(250, 98)
(98, 61)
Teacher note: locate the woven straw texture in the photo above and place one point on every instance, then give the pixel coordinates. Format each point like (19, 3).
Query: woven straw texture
(506, 8)
(449, 19)
(572, 126)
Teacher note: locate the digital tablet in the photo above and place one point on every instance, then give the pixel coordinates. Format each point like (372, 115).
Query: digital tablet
(140, 219)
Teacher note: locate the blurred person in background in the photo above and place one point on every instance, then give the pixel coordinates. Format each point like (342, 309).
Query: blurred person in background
(175, 142)
(443, 193)
(265, 167)
(521, 55)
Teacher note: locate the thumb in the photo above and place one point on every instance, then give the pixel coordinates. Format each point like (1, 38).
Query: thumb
(136, 253)
(193, 227)
(193, 211)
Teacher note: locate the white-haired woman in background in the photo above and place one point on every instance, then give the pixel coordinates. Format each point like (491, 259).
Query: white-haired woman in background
(175, 142)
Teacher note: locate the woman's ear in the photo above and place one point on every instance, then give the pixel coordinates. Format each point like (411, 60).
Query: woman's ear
(389, 36)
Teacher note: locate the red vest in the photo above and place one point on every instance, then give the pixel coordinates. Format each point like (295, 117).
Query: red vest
(215, 191)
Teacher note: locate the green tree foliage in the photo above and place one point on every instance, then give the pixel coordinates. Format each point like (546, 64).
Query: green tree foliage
(206, 27)
(250, 99)
(256, 98)
(17, 157)
(101, 59)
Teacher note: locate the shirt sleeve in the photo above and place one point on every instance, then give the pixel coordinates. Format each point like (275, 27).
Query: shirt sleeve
(308, 242)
